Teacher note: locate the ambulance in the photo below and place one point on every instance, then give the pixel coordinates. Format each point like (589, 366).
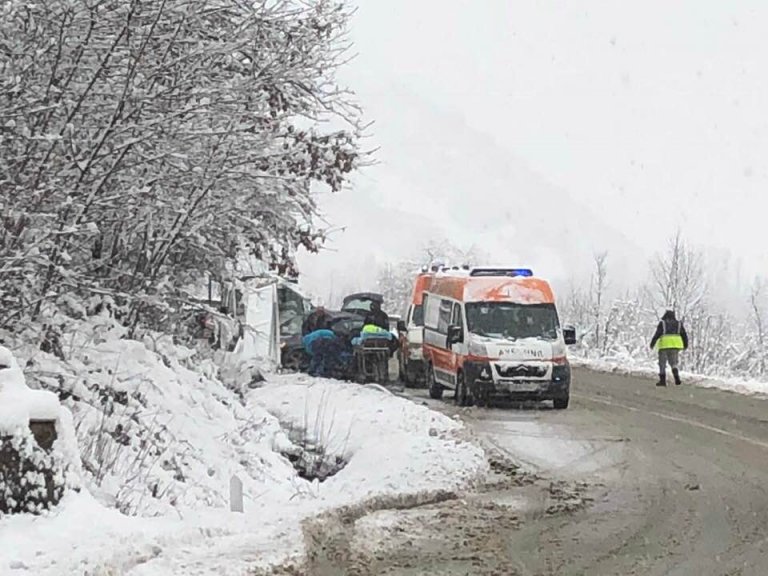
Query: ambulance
(493, 332)
(412, 333)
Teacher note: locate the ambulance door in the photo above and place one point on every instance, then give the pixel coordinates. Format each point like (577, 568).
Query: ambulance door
(442, 356)
(458, 349)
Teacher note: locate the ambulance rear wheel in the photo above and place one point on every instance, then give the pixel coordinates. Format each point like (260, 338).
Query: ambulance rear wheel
(435, 389)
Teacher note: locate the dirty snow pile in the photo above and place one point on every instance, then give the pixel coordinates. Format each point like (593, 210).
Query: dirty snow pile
(161, 435)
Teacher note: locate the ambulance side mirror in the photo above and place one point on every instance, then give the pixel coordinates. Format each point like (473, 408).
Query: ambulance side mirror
(569, 335)
(401, 327)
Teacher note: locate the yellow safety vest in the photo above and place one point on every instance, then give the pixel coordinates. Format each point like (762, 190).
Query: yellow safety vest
(670, 341)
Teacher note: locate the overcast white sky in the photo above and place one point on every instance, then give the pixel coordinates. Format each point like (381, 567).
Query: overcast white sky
(652, 114)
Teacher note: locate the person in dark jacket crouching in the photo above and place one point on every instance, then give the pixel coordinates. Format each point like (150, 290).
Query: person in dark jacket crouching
(670, 338)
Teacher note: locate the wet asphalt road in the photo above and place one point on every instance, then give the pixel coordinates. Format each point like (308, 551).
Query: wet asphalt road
(631, 479)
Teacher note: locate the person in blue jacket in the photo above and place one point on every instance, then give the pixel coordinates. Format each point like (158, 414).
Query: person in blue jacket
(320, 345)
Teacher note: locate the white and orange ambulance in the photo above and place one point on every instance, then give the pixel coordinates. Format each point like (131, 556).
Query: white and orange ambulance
(412, 332)
(494, 331)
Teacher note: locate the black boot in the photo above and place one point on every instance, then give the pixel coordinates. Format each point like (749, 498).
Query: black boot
(676, 374)
(662, 380)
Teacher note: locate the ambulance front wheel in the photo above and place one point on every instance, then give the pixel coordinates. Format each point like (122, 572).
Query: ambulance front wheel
(561, 403)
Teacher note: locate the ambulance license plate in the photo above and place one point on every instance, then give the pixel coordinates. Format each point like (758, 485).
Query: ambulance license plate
(523, 386)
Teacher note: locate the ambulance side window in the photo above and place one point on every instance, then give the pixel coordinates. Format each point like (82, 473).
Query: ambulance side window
(417, 317)
(456, 317)
(431, 312)
(446, 307)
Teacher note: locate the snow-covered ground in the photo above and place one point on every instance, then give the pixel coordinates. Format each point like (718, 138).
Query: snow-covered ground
(182, 523)
(648, 368)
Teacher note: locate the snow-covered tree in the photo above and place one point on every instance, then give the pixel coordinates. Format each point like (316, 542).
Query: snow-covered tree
(722, 343)
(143, 141)
(395, 279)
(395, 282)
(710, 337)
(589, 308)
(598, 288)
(446, 252)
(574, 308)
(758, 328)
(678, 280)
(629, 326)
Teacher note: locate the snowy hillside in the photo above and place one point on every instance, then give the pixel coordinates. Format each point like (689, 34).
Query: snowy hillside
(161, 436)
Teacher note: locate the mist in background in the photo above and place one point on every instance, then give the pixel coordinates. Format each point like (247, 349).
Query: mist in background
(547, 132)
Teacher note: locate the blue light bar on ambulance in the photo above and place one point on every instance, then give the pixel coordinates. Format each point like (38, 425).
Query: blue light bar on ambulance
(509, 272)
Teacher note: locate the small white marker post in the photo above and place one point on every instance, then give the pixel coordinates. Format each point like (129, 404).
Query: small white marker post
(235, 494)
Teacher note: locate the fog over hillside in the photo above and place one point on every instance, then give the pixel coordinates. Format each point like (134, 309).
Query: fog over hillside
(438, 178)
(548, 131)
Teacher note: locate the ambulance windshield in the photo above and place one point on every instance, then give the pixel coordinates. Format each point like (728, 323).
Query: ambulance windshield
(511, 321)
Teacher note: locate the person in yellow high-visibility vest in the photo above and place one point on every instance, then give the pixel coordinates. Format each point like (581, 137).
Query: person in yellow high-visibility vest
(670, 338)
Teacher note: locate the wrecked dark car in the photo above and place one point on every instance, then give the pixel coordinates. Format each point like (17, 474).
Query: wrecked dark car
(345, 324)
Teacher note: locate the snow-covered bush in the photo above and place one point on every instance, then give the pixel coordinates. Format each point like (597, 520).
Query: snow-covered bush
(32, 478)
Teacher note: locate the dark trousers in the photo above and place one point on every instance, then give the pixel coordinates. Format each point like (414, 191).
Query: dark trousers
(671, 357)
(325, 357)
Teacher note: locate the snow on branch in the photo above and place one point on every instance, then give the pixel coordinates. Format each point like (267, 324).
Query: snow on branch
(141, 142)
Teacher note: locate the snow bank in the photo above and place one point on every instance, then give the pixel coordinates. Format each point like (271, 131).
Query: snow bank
(161, 436)
(159, 433)
(18, 403)
(83, 537)
(391, 445)
(630, 366)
